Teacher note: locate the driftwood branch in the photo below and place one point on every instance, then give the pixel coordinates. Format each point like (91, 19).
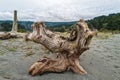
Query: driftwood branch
(68, 49)
(7, 35)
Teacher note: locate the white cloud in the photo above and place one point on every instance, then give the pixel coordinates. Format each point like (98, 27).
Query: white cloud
(5, 15)
(57, 10)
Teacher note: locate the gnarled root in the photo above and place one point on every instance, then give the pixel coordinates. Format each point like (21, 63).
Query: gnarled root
(60, 64)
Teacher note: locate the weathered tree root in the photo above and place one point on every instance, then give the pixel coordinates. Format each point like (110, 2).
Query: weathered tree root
(67, 49)
(7, 35)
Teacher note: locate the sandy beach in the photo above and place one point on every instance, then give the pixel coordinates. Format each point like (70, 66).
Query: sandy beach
(102, 61)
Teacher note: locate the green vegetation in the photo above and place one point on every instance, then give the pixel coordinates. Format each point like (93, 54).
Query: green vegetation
(2, 52)
(12, 49)
(110, 23)
(7, 26)
(29, 53)
(106, 23)
(58, 29)
(21, 30)
(62, 28)
(104, 35)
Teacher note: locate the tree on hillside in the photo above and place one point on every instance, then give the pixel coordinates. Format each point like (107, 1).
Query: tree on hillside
(110, 22)
(6, 26)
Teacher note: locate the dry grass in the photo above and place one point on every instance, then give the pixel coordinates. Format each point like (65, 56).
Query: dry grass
(100, 35)
(104, 35)
(29, 53)
(12, 49)
(2, 52)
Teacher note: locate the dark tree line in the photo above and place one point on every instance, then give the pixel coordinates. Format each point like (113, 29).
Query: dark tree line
(7, 26)
(110, 22)
(102, 23)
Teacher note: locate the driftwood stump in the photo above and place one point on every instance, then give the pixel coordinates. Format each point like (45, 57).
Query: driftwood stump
(67, 49)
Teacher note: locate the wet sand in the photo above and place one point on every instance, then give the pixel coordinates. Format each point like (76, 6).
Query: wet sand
(102, 61)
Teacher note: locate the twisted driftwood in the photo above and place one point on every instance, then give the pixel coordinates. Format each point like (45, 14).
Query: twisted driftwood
(67, 49)
(7, 35)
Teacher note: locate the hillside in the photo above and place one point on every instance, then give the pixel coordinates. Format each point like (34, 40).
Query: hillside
(110, 22)
(26, 25)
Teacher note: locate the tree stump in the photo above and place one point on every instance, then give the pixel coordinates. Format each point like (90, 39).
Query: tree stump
(67, 49)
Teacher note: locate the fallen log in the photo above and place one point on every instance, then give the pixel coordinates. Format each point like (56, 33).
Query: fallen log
(67, 49)
(7, 35)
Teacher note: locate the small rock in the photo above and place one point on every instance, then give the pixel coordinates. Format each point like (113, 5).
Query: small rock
(116, 66)
(7, 76)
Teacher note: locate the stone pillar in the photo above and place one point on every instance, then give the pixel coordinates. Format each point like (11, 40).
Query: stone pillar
(15, 24)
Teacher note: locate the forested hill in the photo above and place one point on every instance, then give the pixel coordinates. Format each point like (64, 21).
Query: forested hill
(26, 25)
(110, 22)
(6, 25)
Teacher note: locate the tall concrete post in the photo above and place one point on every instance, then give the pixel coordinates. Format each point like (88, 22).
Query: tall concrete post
(15, 24)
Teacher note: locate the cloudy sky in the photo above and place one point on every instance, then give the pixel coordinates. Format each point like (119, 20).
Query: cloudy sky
(57, 10)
